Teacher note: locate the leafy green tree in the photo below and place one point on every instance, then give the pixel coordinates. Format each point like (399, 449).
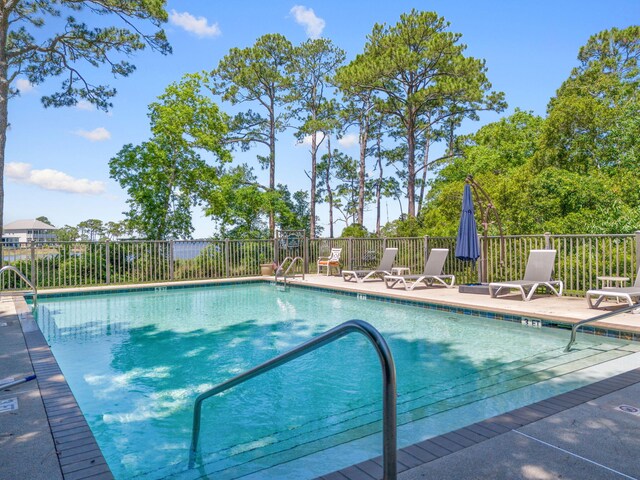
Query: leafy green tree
(116, 230)
(91, 230)
(67, 234)
(346, 192)
(166, 176)
(294, 212)
(313, 65)
(325, 176)
(355, 230)
(41, 39)
(360, 110)
(257, 75)
(44, 219)
(584, 127)
(499, 156)
(419, 70)
(402, 227)
(239, 203)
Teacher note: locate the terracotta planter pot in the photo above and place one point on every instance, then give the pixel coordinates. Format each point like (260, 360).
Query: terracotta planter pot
(266, 269)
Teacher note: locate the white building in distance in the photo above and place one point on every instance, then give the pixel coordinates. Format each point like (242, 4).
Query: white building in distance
(22, 231)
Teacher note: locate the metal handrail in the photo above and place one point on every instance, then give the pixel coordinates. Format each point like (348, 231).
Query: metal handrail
(576, 326)
(279, 269)
(23, 277)
(388, 386)
(293, 262)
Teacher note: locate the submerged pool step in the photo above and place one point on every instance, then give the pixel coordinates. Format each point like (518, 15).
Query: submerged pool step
(301, 441)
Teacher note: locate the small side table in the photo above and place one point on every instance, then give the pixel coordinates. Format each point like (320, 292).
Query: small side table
(612, 282)
(400, 271)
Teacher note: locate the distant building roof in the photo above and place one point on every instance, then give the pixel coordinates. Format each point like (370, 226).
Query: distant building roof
(28, 225)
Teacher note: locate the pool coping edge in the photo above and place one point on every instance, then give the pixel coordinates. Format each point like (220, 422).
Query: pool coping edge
(78, 453)
(605, 329)
(434, 448)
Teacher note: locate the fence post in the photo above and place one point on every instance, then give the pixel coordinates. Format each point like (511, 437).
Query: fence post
(425, 244)
(637, 250)
(384, 243)
(479, 265)
(33, 278)
(226, 258)
(107, 261)
(171, 267)
(547, 240)
(275, 250)
(350, 252)
(306, 254)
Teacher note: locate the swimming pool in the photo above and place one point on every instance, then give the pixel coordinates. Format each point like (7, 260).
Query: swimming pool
(136, 362)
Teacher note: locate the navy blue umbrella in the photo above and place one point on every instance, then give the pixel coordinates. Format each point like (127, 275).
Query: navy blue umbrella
(467, 245)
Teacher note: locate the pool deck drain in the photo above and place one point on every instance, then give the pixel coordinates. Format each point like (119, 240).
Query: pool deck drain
(579, 434)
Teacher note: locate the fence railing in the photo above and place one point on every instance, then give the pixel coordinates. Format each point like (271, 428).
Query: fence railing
(580, 261)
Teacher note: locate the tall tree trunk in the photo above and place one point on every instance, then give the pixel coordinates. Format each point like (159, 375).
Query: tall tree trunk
(411, 168)
(328, 182)
(378, 186)
(425, 162)
(272, 165)
(364, 132)
(312, 200)
(4, 111)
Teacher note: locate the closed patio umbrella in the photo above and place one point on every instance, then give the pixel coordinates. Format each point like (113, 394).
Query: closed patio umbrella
(467, 245)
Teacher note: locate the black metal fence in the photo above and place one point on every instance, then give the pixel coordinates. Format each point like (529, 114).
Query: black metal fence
(580, 261)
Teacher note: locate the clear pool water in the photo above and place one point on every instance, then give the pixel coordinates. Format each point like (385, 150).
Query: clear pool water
(136, 362)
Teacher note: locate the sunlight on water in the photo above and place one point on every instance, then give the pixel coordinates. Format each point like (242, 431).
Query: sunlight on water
(136, 362)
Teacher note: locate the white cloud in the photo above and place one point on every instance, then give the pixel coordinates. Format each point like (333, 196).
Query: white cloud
(348, 141)
(99, 134)
(24, 85)
(306, 141)
(49, 179)
(196, 25)
(85, 105)
(313, 25)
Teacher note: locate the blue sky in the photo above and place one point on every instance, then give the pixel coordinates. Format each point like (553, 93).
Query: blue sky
(57, 159)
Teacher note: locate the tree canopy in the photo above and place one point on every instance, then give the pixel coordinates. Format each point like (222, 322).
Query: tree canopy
(166, 176)
(41, 39)
(575, 171)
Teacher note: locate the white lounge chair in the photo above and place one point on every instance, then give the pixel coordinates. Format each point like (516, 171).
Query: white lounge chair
(432, 273)
(388, 257)
(537, 274)
(333, 260)
(623, 293)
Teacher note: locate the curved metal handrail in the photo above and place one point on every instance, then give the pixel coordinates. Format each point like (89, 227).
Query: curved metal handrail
(576, 326)
(293, 262)
(23, 277)
(388, 386)
(279, 269)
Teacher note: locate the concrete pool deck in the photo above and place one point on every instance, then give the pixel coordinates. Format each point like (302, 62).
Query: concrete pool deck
(575, 435)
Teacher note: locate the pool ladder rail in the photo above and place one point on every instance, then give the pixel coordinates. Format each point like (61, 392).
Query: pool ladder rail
(389, 434)
(11, 268)
(576, 326)
(293, 262)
